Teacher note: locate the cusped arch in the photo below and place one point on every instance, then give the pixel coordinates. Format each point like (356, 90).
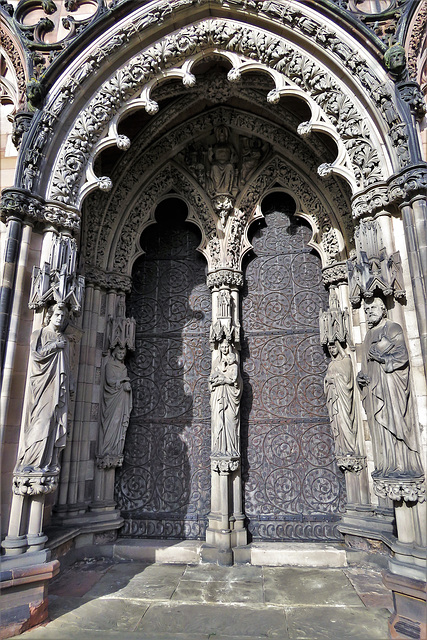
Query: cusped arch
(118, 249)
(332, 110)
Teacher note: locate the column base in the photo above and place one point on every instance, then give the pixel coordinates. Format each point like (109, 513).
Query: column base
(408, 620)
(213, 555)
(24, 602)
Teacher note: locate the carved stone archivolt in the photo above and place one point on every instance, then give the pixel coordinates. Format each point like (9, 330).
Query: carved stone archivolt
(301, 72)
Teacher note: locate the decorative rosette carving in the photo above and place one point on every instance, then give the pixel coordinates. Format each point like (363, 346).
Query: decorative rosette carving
(34, 483)
(354, 464)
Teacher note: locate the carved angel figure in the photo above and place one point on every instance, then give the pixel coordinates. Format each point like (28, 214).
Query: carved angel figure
(225, 385)
(386, 397)
(45, 426)
(339, 391)
(116, 409)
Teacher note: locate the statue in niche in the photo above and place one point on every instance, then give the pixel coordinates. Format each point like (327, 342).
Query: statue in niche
(222, 159)
(386, 397)
(253, 150)
(226, 386)
(115, 409)
(45, 428)
(339, 391)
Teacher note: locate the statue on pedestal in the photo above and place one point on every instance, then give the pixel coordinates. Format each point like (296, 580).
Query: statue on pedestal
(115, 410)
(339, 391)
(386, 396)
(45, 426)
(226, 386)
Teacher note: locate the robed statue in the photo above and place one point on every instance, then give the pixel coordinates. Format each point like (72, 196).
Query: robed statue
(45, 426)
(385, 388)
(339, 391)
(226, 386)
(115, 409)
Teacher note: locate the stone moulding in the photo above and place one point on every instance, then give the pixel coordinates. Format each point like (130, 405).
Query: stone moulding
(304, 77)
(401, 188)
(406, 489)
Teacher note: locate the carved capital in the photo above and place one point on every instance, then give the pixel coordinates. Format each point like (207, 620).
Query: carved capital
(335, 274)
(62, 217)
(21, 204)
(407, 489)
(224, 277)
(224, 464)
(354, 464)
(34, 483)
(109, 280)
(109, 461)
(399, 189)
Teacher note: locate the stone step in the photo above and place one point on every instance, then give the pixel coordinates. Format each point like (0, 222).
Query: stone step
(273, 554)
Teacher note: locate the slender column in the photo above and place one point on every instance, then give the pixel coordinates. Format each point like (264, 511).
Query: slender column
(226, 529)
(12, 248)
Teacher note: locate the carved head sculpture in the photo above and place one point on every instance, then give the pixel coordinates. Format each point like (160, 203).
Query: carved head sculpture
(119, 353)
(395, 59)
(375, 311)
(333, 349)
(57, 316)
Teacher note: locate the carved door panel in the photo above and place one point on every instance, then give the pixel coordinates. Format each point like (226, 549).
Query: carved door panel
(163, 489)
(293, 488)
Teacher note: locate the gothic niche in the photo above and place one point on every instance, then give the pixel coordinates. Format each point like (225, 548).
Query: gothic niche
(293, 489)
(163, 487)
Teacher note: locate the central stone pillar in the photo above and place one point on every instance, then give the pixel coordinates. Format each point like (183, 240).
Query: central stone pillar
(226, 530)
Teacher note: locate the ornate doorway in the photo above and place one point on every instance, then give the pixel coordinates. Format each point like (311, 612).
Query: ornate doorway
(163, 489)
(293, 488)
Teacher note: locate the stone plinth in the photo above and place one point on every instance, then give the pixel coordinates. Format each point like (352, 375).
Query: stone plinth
(24, 601)
(408, 619)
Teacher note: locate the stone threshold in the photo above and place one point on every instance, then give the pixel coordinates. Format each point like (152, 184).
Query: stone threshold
(273, 554)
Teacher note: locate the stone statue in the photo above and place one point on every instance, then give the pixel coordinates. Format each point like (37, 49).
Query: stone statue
(225, 384)
(115, 410)
(395, 60)
(339, 391)
(45, 426)
(222, 160)
(385, 388)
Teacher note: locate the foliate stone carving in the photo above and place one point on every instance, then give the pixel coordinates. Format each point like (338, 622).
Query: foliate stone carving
(21, 124)
(372, 269)
(335, 274)
(56, 281)
(400, 489)
(232, 37)
(355, 464)
(35, 483)
(416, 37)
(16, 202)
(386, 396)
(225, 465)
(107, 279)
(226, 277)
(411, 93)
(115, 409)
(45, 423)
(399, 188)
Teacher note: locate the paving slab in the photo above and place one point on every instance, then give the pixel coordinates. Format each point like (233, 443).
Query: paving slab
(118, 615)
(215, 619)
(370, 587)
(337, 623)
(301, 586)
(222, 592)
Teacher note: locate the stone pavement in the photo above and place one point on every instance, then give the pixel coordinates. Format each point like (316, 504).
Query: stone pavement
(104, 600)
